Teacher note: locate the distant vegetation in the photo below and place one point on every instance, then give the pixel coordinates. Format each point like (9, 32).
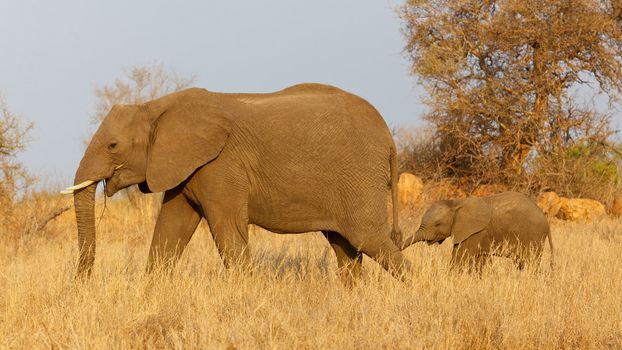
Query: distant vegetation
(14, 179)
(499, 77)
(14, 136)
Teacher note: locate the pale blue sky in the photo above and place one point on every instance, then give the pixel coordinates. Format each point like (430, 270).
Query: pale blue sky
(53, 54)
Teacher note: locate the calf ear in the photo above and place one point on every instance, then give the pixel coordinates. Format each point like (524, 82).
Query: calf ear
(183, 138)
(472, 215)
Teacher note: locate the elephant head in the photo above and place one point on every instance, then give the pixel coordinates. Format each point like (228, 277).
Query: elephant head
(157, 145)
(457, 218)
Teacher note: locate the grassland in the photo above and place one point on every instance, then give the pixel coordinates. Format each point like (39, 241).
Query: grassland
(292, 297)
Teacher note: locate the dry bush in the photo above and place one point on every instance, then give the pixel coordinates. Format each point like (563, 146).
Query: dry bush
(292, 297)
(13, 139)
(500, 76)
(585, 170)
(14, 179)
(23, 211)
(31, 214)
(418, 152)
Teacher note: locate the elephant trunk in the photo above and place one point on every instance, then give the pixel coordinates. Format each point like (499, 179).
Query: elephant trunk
(91, 170)
(417, 237)
(84, 201)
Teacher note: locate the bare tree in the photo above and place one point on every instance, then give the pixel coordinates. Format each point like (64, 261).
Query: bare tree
(499, 75)
(13, 139)
(418, 151)
(138, 85)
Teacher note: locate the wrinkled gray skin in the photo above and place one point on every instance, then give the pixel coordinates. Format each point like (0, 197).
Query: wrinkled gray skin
(307, 158)
(481, 226)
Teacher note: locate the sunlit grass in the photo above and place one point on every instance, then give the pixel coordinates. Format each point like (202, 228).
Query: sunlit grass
(292, 298)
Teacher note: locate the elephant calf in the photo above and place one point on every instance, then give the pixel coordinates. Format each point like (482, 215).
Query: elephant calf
(481, 227)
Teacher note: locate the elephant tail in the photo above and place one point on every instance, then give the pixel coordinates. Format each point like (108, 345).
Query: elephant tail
(396, 232)
(551, 246)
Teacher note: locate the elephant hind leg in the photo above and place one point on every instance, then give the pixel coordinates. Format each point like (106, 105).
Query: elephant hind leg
(464, 259)
(480, 261)
(382, 249)
(349, 260)
(530, 255)
(391, 259)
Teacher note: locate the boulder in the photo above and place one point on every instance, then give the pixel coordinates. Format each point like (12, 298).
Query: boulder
(409, 188)
(550, 203)
(616, 209)
(489, 189)
(575, 209)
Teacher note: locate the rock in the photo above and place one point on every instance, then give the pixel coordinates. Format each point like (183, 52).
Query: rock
(616, 209)
(575, 209)
(489, 189)
(409, 188)
(550, 203)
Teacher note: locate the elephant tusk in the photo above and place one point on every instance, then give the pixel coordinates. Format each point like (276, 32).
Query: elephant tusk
(119, 166)
(79, 186)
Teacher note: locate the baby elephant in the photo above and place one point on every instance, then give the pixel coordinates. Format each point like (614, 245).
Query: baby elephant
(480, 227)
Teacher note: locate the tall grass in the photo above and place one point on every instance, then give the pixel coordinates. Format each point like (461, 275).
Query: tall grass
(292, 298)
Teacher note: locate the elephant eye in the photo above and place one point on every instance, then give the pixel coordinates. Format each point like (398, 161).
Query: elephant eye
(112, 146)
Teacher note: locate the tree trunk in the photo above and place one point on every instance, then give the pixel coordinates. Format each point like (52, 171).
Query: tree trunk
(535, 123)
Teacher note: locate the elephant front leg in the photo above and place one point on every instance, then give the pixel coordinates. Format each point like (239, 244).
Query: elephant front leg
(460, 258)
(175, 226)
(464, 258)
(349, 260)
(230, 232)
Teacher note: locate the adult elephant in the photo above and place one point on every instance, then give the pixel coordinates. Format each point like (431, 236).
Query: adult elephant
(307, 158)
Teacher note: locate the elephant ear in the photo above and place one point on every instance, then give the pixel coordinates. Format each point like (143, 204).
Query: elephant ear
(184, 138)
(473, 214)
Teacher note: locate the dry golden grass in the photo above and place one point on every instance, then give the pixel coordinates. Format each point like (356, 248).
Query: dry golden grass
(292, 298)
